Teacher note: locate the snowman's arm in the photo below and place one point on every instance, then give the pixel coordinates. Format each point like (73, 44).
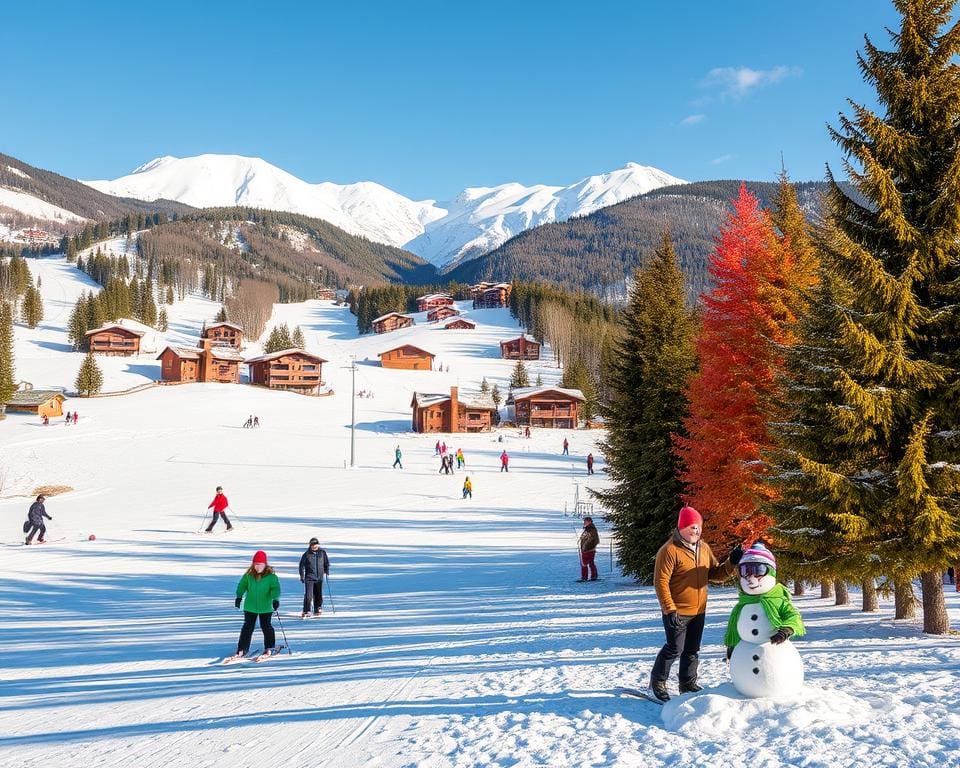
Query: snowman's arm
(790, 618)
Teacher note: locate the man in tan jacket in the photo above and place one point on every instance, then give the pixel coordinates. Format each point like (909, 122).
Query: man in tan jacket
(684, 566)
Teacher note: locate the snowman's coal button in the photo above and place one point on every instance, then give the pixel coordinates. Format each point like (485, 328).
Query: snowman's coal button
(755, 631)
(756, 670)
(753, 618)
(756, 658)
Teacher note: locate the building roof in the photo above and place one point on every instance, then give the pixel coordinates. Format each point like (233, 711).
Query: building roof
(108, 326)
(432, 296)
(193, 353)
(34, 396)
(184, 353)
(391, 314)
(227, 353)
(283, 353)
(481, 402)
(461, 319)
(401, 346)
(528, 337)
(224, 322)
(522, 393)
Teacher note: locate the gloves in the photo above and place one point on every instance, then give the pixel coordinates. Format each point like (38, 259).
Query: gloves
(674, 619)
(276, 604)
(783, 633)
(735, 554)
(236, 603)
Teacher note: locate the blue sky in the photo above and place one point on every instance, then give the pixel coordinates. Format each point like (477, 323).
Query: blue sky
(430, 97)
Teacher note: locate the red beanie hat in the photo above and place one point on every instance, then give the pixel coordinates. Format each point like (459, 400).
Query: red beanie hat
(689, 516)
(260, 557)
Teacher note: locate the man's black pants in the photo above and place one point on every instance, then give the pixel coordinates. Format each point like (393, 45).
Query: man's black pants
(312, 593)
(682, 641)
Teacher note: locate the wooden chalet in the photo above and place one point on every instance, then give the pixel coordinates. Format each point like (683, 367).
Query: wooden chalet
(114, 339)
(224, 333)
(407, 357)
(461, 323)
(490, 295)
(206, 363)
(391, 322)
(43, 402)
(433, 301)
(521, 348)
(546, 406)
(435, 413)
(328, 294)
(441, 313)
(291, 369)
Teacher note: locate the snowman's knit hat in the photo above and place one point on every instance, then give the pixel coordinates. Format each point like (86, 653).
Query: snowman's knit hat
(758, 553)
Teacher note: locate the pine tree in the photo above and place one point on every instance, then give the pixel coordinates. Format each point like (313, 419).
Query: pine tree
(148, 307)
(31, 310)
(496, 396)
(484, 386)
(169, 300)
(646, 381)
(520, 377)
(163, 324)
(539, 382)
(577, 376)
(89, 378)
(898, 358)
(77, 326)
(7, 379)
(297, 339)
(221, 315)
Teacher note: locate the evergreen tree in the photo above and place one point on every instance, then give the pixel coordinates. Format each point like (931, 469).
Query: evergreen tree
(497, 398)
(221, 315)
(7, 381)
(653, 360)
(520, 377)
(278, 339)
(898, 377)
(169, 300)
(297, 339)
(77, 326)
(484, 386)
(576, 376)
(31, 310)
(148, 307)
(89, 378)
(163, 324)
(539, 381)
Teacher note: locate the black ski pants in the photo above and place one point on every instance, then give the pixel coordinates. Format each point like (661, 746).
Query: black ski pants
(214, 521)
(312, 595)
(682, 641)
(34, 527)
(249, 622)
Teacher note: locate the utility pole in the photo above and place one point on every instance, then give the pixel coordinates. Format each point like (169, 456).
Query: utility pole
(353, 409)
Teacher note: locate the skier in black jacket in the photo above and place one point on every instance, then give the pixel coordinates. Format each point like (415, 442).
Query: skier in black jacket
(314, 565)
(35, 519)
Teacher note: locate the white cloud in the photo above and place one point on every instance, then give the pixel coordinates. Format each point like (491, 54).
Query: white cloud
(737, 82)
(693, 119)
(721, 159)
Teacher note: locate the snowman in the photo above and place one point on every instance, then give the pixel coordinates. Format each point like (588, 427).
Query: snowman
(763, 661)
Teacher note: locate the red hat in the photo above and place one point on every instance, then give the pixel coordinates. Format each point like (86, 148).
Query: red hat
(689, 516)
(260, 557)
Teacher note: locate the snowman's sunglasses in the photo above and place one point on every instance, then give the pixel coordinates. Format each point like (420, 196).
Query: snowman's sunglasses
(754, 569)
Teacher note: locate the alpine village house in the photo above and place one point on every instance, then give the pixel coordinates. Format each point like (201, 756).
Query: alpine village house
(448, 413)
(209, 362)
(391, 322)
(407, 357)
(290, 369)
(546, 406)
(521, 348)
(224, 333)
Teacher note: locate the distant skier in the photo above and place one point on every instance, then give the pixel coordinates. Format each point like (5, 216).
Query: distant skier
(467, 488)
(443, 448)
(436, 449)
(527, 432)
(75, 417)
(259, 589)
(256, 422)
(397, 455)
(504, 461)
(566, 447)
(314, 565)
(69, 418)
(249, 422)
(35, 521)
(219, 505)
(589, 463)
(589, 541)
(461, 462)
(46, 420)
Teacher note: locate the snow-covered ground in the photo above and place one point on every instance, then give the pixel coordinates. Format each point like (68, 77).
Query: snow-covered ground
(460, 637)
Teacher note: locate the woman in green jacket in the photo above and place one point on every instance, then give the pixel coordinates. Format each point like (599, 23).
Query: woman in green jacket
(262, 589)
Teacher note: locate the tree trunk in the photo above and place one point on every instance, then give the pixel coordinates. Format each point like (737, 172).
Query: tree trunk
(935, 619)
(826, 589)
(798, 587)
(870, 601)
(904, 601)
(843, 594)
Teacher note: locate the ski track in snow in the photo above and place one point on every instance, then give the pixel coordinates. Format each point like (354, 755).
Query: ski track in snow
(459, 638)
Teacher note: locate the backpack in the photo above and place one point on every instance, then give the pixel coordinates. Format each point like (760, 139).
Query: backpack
(26, 526)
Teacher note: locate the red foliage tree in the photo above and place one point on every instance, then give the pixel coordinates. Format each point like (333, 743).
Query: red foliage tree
(742, 324)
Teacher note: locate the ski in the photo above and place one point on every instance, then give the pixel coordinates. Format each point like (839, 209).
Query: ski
(242, 657)
(45, 541)
(270, 654)
(637, 693)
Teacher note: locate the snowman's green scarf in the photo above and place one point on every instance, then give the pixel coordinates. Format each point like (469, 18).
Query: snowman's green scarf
(776, 604)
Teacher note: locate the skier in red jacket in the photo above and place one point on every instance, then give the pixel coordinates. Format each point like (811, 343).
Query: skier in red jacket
(504, 462)
(219, 505)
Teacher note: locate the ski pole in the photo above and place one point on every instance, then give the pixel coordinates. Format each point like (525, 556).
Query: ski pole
(330, 593)
(286, 644)
(203, 520)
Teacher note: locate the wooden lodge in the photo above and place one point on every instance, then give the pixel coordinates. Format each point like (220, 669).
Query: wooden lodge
(441, 313)
(435, 413)
(291, 369)
(461, 323)
(490, 295)
(546, 406)
(114, 339)
(43, 402)
(391, 322)
(407, 357)
(224, 333)
(433, 301)
(521, 348)
(327, 294)
(206, 363)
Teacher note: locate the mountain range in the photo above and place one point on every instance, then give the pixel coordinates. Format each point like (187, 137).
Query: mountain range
(444, 233)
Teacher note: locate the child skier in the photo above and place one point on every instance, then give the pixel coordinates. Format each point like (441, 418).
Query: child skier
(259, 589)
(35, 521)
(219, 505)
(461, 462)
(467, 488)
(504, 461)
(397, 456)
(314, 565)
